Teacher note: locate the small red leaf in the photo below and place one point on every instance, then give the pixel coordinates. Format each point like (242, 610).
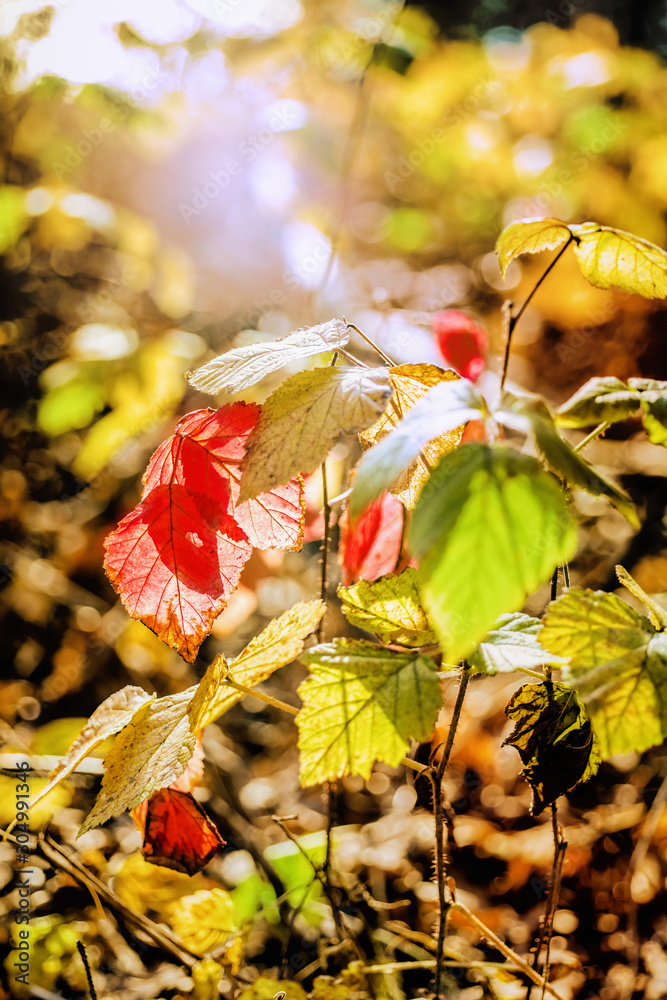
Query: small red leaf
(463, 343)
(372, 548)
(172, 570)
(177, 832)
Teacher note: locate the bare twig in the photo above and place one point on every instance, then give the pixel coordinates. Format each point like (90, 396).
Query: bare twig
(89, 975)
(515, 319)
(439, 813)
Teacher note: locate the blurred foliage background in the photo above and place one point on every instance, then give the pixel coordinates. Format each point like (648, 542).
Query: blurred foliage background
(176, 174)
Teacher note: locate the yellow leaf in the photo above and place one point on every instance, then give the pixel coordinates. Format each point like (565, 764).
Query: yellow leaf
(203, 921)
(150, 752)
(362, 703)
(390, 607)
(611, 257)
(530, 236)
(109, 718)
(280, 643)
(410, 383)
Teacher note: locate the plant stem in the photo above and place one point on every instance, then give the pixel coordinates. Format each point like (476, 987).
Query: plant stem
(254, 693)
(600, 429)
(552, 902)
(351, 357)
(439, 813)
(515, 319)
(504, 949)
(385, 357)
(326, 510)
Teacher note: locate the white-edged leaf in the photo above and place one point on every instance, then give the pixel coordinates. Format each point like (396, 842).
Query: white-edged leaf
(242, 367)
(512, 643)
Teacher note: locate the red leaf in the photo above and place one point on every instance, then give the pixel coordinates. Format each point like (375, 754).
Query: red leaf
(177, 832)
(205, 453)
(173, 570)
(177, 557)
(462, 342)
(372, 548)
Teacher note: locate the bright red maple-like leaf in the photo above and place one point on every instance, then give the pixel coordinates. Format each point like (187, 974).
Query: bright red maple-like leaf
(372, 547)
(176, 558)
(205, 453)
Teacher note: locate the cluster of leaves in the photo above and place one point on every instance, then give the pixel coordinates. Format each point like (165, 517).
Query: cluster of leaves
(227, 480)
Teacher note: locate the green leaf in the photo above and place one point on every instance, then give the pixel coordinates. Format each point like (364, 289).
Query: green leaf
(623, 687)
(362, 703)
(148, 754)
(409, 384)
(444, 408)
(600, 400)
(566, 462)
(654, 415)
(512, 643)
(555, 740)
(490, 527)
(390, 607)
(529, 236)
(242, 367)
(611, 257)
(301, 420)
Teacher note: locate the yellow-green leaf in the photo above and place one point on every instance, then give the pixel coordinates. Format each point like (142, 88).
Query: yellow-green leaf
(242, 367)
(204, 920)
(611, 257)
(600, 400)
(281, 642)
(490, 527)
(618, 665)
(301, 420)
(390, 607)
(529, 236)
(409, 383)
(362, 703)
(148, 754)
(562, 458)
(108, 718)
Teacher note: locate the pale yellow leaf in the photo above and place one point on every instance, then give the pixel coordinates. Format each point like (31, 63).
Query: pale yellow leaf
(148, 754)
(280, 643)
(108, 718)
(529, 236)
(410, 383)
(611, 257)
(301, 420)
(242, 367)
